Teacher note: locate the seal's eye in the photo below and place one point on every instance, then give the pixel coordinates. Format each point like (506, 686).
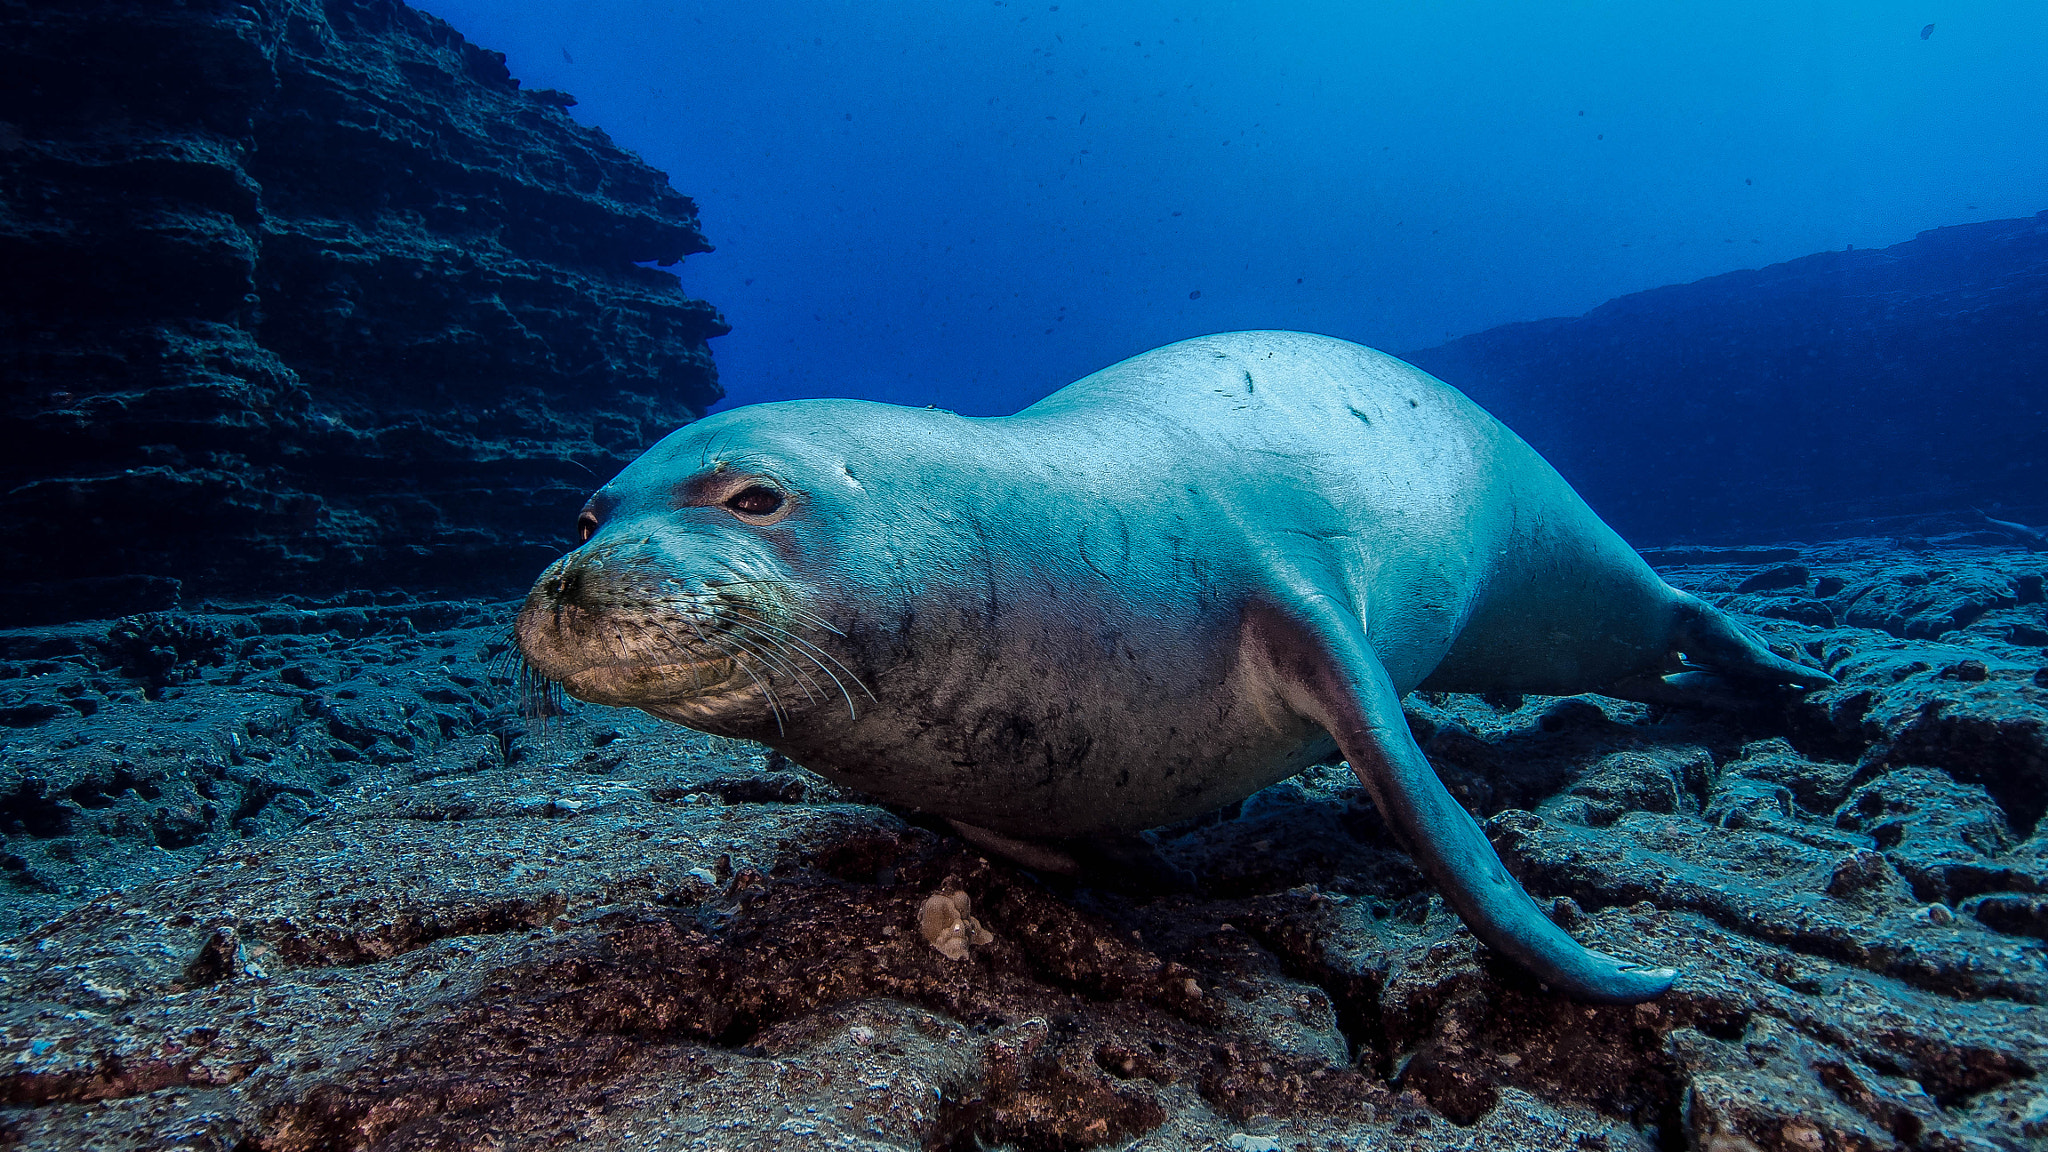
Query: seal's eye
(586, 527)
(755, 501)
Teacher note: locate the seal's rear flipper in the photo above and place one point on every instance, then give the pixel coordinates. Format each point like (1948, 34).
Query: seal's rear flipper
(1712, 641)
(1685, 690)
(1321, 666)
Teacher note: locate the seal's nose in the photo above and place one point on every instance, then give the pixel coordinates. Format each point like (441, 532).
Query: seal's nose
(566, 585)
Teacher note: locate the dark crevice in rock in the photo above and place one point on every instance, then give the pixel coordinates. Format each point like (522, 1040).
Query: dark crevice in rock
(215, 960)
(397, 935)
(27, 811)
(113, 1080)
(2005, 754)
(1301, 939)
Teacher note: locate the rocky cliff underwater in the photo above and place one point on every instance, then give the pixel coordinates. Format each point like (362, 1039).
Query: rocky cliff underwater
(311, 298)
(1832, 395)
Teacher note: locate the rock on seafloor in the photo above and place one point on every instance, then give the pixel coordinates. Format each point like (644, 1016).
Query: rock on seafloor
(1947, 326)
(300, 877)
(313, 295)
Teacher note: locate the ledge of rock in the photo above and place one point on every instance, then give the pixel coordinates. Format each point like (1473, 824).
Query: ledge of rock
(1828, 396)
(313, 295)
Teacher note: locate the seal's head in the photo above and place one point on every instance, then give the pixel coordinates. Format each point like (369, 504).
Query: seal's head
(705, 587)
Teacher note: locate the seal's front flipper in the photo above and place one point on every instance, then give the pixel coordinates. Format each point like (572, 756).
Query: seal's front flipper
(1318, 657)
(1712, 641)
(1128, 863)
(1037, 855)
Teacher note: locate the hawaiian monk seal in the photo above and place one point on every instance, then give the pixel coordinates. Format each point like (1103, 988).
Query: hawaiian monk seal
(1157, 590)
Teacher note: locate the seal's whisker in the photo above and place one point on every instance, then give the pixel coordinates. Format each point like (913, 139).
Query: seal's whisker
(810, 652)
(688, 653)
(538, 695)
(814, 620)
(775, 648)
(816, 653)
(704, 642)
(775, 708)
(804, 614)
(733, 658)
(692, 607)
(764, 640)
(752, 611)
(714, 599)
(616, 639)
(718, 587)
(852, 712)
(811, 618)
(505, 664)
(620, 644)
(775, 661)
(697, 675)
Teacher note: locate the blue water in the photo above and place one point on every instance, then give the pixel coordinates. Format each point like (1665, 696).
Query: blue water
(971, 203)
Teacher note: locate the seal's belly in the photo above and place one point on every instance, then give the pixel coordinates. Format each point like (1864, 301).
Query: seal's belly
(1022, 790)
(1094, 747)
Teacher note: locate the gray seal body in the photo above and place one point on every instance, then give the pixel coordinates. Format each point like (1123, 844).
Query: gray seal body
(1159, 589)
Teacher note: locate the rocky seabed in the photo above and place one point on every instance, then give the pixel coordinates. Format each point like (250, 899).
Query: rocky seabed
(299, 876)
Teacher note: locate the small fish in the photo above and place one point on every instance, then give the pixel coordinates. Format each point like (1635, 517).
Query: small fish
(2032, 539)
(566, 58)
(1927, 31)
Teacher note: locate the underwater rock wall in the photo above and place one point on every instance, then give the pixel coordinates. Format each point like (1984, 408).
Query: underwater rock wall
(312, 295)
(1820, 398)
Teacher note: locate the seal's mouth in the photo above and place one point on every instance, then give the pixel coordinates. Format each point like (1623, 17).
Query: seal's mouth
(622, 654)
(649, 686)
(632, 636)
